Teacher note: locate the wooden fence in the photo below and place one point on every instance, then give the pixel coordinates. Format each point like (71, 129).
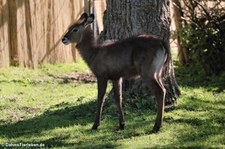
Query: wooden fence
(31, 31)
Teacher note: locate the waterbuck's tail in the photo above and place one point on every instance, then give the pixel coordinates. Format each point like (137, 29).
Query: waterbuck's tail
(169, 57)
(169, 80)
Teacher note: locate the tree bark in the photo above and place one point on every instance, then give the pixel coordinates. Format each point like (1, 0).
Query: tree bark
(126, 18)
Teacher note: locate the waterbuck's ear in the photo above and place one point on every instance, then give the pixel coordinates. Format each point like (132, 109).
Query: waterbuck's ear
(84, 16)
(90, 19)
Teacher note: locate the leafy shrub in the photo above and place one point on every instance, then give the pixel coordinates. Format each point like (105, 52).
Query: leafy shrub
(204, 36)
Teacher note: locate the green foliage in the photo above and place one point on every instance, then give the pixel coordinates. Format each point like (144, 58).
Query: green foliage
(37, 108)
(204, 38)
(138, 102)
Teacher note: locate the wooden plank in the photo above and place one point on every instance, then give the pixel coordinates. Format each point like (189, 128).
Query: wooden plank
(14, 53)
(4, 39)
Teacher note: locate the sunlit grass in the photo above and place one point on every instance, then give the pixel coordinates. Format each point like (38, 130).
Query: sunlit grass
(38, 108)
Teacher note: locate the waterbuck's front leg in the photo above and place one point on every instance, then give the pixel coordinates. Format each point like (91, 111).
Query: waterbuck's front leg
(102, 84)
(117, 86)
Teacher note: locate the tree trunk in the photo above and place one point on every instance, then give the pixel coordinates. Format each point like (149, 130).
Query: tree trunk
(126, 18)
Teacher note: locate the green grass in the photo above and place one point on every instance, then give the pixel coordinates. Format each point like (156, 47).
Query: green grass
(36, 107)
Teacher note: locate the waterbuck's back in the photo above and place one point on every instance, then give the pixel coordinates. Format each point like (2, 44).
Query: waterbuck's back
(125, 58)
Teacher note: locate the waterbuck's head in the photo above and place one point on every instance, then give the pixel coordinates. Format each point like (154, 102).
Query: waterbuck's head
(75, 31)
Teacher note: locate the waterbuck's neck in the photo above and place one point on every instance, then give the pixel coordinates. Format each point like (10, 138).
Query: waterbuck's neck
(87, 46)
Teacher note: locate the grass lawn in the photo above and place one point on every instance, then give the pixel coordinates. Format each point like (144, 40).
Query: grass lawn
(38, 106)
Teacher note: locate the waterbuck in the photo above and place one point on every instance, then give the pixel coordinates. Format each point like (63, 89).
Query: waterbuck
(143, 55)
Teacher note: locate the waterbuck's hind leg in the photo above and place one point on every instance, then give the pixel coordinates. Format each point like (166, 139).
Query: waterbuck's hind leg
(153, 79)
(160, 97)
(117, 86)
(102, 84)
(160, 94)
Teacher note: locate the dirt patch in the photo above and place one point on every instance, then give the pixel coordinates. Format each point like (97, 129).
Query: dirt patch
(78, 77)
(30, 110)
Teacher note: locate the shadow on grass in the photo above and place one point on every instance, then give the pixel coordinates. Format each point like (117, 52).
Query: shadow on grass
(203, 133)
(82, 115)
(66, 115)
(60, 142)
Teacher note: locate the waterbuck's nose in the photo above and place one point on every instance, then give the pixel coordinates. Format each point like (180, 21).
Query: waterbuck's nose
(65, 40)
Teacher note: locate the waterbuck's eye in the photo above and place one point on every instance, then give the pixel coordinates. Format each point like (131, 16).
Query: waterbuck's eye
(74, 30)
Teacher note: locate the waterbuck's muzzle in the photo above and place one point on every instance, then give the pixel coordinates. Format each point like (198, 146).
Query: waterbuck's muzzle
(65, 40)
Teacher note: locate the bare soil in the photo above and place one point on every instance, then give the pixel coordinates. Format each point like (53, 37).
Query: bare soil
(78, 77)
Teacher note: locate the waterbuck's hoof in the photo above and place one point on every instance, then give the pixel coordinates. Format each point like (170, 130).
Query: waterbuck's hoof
(156, 129)
(94, 127)
(122, 126)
